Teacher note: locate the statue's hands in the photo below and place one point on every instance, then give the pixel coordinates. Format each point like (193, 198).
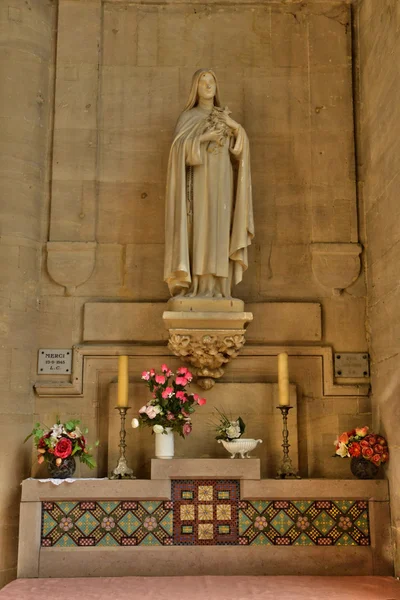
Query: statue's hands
(230, 122)
(212, 136)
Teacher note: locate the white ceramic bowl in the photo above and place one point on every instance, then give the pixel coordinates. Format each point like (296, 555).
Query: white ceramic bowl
(241, 446)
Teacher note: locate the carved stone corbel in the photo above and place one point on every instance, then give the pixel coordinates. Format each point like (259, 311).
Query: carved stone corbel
(206, 340)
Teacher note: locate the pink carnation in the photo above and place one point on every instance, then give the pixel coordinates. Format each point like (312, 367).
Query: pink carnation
(160, 379)
(170, 417)
(167, 393)
(201, 401)
(164, 368)
(182, 370)
(181, 396)
(196, 397)
(187, 428)
(181, 381)
(146, 375)
(152, 372)
(189, 376)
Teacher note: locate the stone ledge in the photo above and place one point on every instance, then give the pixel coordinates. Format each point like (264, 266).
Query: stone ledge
(208, 468)
(319, 489)
(103, 489)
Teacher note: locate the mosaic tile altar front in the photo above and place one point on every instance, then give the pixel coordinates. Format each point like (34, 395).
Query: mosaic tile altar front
(203, 512)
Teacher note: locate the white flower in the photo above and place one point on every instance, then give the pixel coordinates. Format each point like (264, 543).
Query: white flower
(233, 431)
(157, 408)
(135, 423)
(158, 428)
(342, 450)
(56, 430)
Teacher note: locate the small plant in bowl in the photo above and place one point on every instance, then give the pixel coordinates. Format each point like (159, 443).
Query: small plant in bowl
(229, 434)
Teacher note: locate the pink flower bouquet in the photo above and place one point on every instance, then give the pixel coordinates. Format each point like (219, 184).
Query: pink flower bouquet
(171, 405)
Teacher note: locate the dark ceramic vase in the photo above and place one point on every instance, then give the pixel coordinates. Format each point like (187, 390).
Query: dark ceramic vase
(362, 468)
(65, 470)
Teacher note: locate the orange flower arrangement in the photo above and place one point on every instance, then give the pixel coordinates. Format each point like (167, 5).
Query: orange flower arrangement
(360, 443)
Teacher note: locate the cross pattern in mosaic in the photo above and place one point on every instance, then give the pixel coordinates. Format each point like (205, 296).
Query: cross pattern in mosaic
(205, 512)
(112, 523)
(303, 523)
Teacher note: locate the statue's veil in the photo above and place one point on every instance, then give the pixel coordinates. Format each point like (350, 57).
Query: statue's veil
(193, 98)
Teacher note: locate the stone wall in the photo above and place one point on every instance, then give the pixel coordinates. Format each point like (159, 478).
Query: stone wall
(379, 165)
(122, 77)
(26, 60)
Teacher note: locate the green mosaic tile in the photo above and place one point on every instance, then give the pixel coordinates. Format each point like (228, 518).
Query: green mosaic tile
(48, 524)
(65, 541)
(244, 522)
(167, 523)
(107, 540)
(150, 506)
(260, 505)
(302, 505)
(87, 523)
(344, 505)
(345, 540)
(129, 523)
(323, 523)
(108, 507)
(261, 540)
(303, 540)
(150, 540)
(362, 523)
(282, 523)
(67, 507)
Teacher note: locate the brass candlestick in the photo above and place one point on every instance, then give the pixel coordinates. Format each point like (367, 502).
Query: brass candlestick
(122, 471)
(286, 469)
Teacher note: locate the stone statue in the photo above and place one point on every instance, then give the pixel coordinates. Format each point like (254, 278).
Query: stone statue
(209, 215)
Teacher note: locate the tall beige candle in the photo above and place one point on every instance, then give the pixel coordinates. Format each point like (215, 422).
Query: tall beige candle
(123, 381)
(283, 379)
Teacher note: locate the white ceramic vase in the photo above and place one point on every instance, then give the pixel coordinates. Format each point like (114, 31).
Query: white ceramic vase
(165, 444)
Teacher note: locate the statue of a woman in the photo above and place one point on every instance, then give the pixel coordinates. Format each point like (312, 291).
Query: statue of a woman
(209, 216)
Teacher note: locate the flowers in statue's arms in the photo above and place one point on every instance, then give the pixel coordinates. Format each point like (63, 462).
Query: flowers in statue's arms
(63, 448)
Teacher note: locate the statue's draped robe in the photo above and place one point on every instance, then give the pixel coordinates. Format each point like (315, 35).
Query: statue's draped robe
(209, 216)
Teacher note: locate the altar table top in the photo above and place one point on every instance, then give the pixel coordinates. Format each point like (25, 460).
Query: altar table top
(211, 587)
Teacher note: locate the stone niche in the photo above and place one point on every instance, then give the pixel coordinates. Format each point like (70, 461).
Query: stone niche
(256, 404)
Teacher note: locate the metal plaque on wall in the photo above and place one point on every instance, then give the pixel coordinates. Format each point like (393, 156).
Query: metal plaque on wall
(54, 361)
(351, 364)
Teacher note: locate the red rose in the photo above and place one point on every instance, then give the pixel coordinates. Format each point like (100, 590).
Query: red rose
(371, 439)
(367, 452)
(378, 448)
(385, 457)
(364, 444)
(381, 440)
(376, 459)
(63, 448)
(355, 449)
